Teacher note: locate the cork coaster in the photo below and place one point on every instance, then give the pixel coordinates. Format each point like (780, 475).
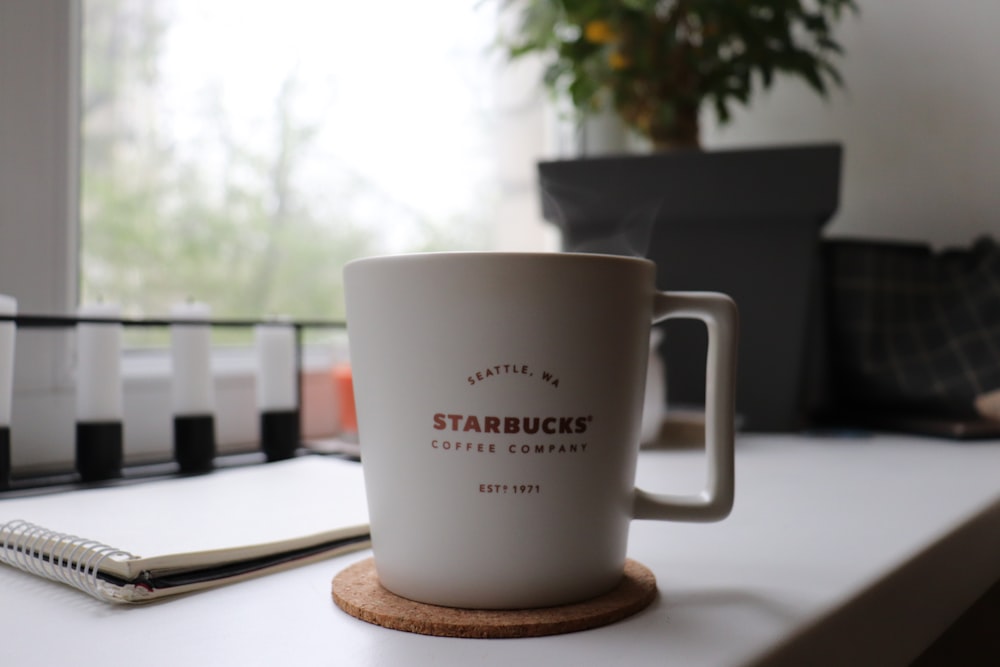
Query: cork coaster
(358, 592)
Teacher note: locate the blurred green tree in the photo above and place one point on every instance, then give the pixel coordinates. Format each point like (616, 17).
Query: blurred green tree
(241, 226)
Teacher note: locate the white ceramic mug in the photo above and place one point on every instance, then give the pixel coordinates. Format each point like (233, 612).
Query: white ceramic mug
(499, 400)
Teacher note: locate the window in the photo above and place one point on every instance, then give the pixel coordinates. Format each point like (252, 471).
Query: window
(44, 164)
(242, 152)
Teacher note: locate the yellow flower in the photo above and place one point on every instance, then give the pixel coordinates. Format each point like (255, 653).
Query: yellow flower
(618, 61)
(598, 32)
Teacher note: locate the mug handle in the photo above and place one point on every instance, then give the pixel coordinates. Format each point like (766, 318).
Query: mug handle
(714, 503)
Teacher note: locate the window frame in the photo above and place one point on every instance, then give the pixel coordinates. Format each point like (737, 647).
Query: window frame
(39, 51)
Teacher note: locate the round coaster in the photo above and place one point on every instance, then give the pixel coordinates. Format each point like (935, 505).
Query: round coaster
(357, 591)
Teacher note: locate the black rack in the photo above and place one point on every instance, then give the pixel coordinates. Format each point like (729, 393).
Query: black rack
(285, 424)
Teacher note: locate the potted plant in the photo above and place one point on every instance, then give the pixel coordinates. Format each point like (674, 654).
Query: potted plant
(745, 222)
(659, 62)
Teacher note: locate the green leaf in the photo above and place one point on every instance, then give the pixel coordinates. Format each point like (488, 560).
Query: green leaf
(689, 51)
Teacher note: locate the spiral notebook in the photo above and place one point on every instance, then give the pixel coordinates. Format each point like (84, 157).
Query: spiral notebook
(146, 541)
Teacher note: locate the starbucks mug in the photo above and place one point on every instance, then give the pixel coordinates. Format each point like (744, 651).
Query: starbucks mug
(499, 400)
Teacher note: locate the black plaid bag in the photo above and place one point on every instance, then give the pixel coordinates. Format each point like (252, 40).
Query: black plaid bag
(913, 331)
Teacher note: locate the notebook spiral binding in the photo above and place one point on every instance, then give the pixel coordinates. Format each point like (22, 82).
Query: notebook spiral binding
(56, 556)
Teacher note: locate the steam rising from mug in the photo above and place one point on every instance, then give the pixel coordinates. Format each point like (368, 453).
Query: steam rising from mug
(627, 234)
(575, 197)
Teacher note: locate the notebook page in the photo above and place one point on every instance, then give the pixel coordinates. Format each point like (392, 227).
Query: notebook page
(227, 508)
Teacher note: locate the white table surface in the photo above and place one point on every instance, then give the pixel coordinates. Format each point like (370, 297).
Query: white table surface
(839, 551)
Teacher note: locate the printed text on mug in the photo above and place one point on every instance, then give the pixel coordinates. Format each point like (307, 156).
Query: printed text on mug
(522, 370)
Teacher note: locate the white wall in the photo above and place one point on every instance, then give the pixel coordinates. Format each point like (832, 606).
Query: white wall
(919, 119)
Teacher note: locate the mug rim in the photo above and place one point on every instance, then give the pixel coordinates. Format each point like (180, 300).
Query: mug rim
(500, 255)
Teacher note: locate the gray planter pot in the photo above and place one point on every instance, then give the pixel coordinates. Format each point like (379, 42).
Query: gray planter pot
(745, 222)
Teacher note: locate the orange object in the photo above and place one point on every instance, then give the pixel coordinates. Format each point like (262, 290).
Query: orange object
(344, 383)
